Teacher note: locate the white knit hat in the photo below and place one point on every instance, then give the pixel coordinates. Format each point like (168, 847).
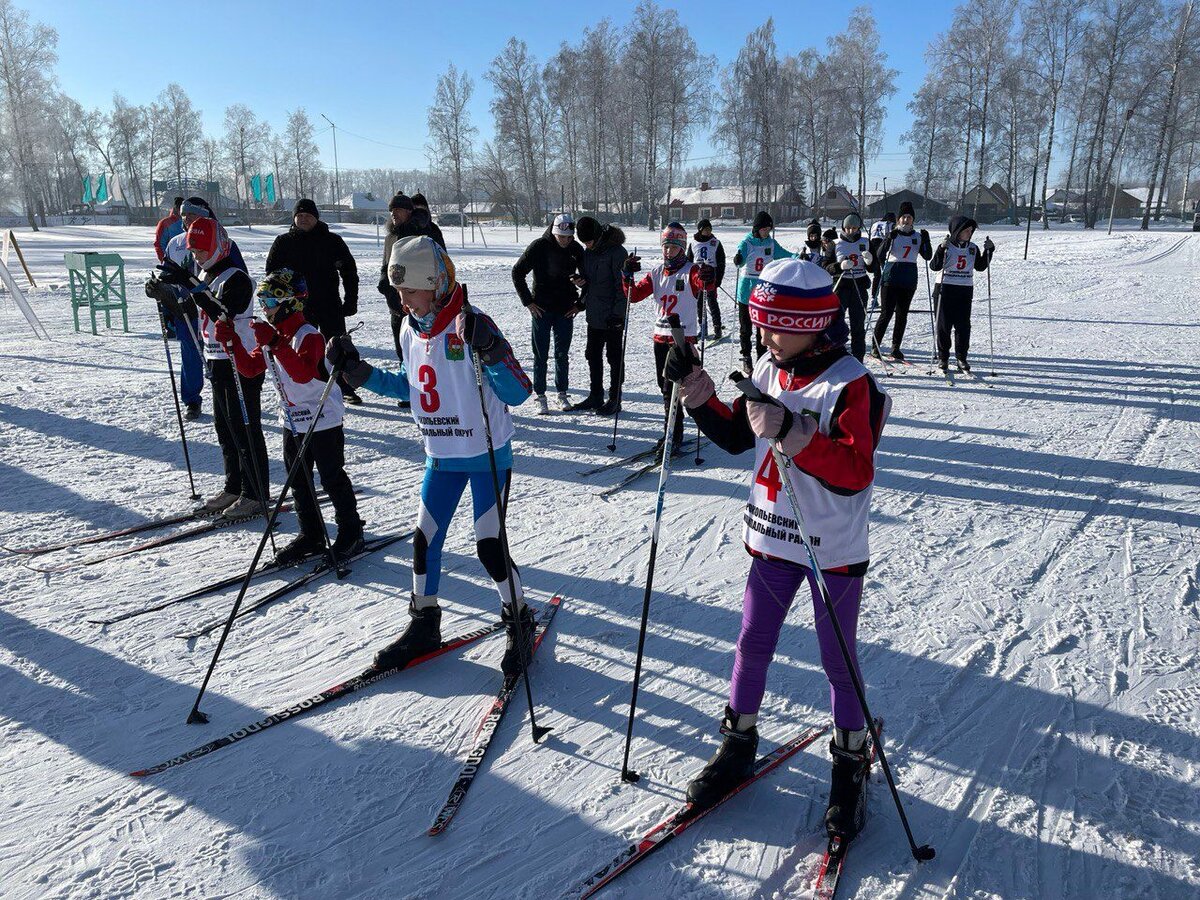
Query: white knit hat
(420, 264)
(564, 225)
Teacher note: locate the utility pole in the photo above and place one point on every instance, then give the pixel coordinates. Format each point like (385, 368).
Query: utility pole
(1120, 161)
(337, 183)
(885, 205)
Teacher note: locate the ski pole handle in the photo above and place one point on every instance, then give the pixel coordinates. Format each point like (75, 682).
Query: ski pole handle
(677, 332)
(748, 388)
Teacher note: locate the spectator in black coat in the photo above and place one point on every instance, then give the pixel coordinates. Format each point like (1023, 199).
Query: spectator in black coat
(606, 307)
(322, 257)
(554, 302)
(423, 219)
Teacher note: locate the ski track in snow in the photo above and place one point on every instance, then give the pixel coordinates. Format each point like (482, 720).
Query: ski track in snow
(1029, 631)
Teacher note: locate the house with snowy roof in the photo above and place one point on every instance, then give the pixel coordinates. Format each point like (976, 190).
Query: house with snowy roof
(784, 202)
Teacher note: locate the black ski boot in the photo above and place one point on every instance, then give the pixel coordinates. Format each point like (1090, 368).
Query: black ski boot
(299, 549)
(897, 355)
(847, 793)
(963, 365)
(519, 649)
(613, 406)
(349, 540)
(423, 635)
(733, 762)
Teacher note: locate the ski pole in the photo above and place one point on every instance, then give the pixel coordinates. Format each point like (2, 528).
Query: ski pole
(195, 716)
(703, 340)
(935, 313)
(539, 732)
(991, 338)
(680, 340)
(620, 381)
(929, 296)
(334, 563)
(750, 390)
(248, 451)
(887, 369)
(187, 459)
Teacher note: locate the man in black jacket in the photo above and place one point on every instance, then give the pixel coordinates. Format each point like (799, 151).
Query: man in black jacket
(405, 223)
(321, 256)
(423, 219)
(605, 308)
(553, 258)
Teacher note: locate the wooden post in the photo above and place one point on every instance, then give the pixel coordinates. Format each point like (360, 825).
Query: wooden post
(12, 239)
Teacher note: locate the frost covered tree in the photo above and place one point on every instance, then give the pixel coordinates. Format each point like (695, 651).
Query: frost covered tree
(302, 153)
(451, 134)
(182, 133)
(243, 142)
(517, 107)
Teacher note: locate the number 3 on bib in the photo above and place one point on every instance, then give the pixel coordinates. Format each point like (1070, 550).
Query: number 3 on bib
(768, 477)
(430, 401)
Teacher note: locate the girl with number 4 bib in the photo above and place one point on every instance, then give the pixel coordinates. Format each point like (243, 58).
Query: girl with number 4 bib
(440, 337)
(826, 413)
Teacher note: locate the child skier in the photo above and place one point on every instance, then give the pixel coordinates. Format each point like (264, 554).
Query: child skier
(879, 233)
(898, 253)
(296, 351)
(678, 287)
(707, 250)
(222, 290)
(849, 264)
(813, 250)
(957, 259)
(826, 413)
(440, 337)
(756, 250)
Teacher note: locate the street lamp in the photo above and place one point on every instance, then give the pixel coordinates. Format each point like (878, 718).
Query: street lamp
(337, 183)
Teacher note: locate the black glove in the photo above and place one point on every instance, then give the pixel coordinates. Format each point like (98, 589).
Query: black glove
(924, 236)
(614, 322)
(342, 352)
(173, 273)
(737, 259)
(350, 306)
(680, 361)
(632, 264)
(482, 337)
(988, 246)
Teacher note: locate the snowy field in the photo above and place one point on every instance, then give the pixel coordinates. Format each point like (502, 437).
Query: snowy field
(1030, 626)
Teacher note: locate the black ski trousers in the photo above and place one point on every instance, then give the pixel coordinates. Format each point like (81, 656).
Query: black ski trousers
(893, 300)
(747, 327)
(661, 349)
(953, 304)
(327, 451)
(244, 450)
(852, 292)
(604, 344)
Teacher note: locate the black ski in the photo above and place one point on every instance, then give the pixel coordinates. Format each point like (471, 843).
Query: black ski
(487, 730)
(329, 695)
(295, 584)
(688, 815)
(828, 870)
(202, 591)
(685, 448)
(162, 522)
(165, 540)
(622, 461)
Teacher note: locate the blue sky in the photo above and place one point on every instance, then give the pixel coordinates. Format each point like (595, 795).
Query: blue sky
(371, 67)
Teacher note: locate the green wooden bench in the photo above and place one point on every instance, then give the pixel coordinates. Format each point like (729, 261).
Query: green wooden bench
(98, 283)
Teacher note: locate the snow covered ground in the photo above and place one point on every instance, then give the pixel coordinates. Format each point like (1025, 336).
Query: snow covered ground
(1029, 630)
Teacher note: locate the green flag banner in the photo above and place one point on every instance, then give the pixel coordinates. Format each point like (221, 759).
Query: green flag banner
(87, 189)
(256, 188)
(270, 187)
(102, 189)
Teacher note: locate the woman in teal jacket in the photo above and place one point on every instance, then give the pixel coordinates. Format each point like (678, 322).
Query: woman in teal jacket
(754, 252)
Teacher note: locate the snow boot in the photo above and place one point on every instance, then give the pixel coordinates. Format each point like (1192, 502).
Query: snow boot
(350, 395)
(540, 406)
(747, 365)
(897, 355)
(594, 400)
(730, 765)
(519, 649)
(963, 365)
(423, 635)
(847, 793)
(613, 406)
(218, 502)
(242, 508)
(875, 353)
(193, 411)
(299, 549)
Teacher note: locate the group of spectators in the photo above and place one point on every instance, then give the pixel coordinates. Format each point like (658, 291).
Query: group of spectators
(575, 268)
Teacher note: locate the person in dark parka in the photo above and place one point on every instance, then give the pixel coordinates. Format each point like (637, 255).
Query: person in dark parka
(605, 307)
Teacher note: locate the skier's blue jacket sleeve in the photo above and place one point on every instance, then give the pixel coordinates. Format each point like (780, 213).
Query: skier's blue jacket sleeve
(506, 380)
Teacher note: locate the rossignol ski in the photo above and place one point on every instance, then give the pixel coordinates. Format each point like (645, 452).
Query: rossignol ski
(487, 729)
(329, 695)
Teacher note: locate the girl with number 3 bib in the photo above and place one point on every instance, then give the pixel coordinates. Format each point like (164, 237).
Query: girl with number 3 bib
(440, 337)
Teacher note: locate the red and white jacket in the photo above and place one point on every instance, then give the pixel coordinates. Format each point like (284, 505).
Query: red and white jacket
(676, 292)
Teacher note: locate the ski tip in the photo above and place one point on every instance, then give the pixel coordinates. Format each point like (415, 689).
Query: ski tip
(924, 853)
(140, 773)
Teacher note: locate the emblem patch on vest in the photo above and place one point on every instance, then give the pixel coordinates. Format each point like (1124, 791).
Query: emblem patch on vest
(454, 348)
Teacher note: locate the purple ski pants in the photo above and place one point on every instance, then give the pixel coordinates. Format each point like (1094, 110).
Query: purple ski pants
(770, 590)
